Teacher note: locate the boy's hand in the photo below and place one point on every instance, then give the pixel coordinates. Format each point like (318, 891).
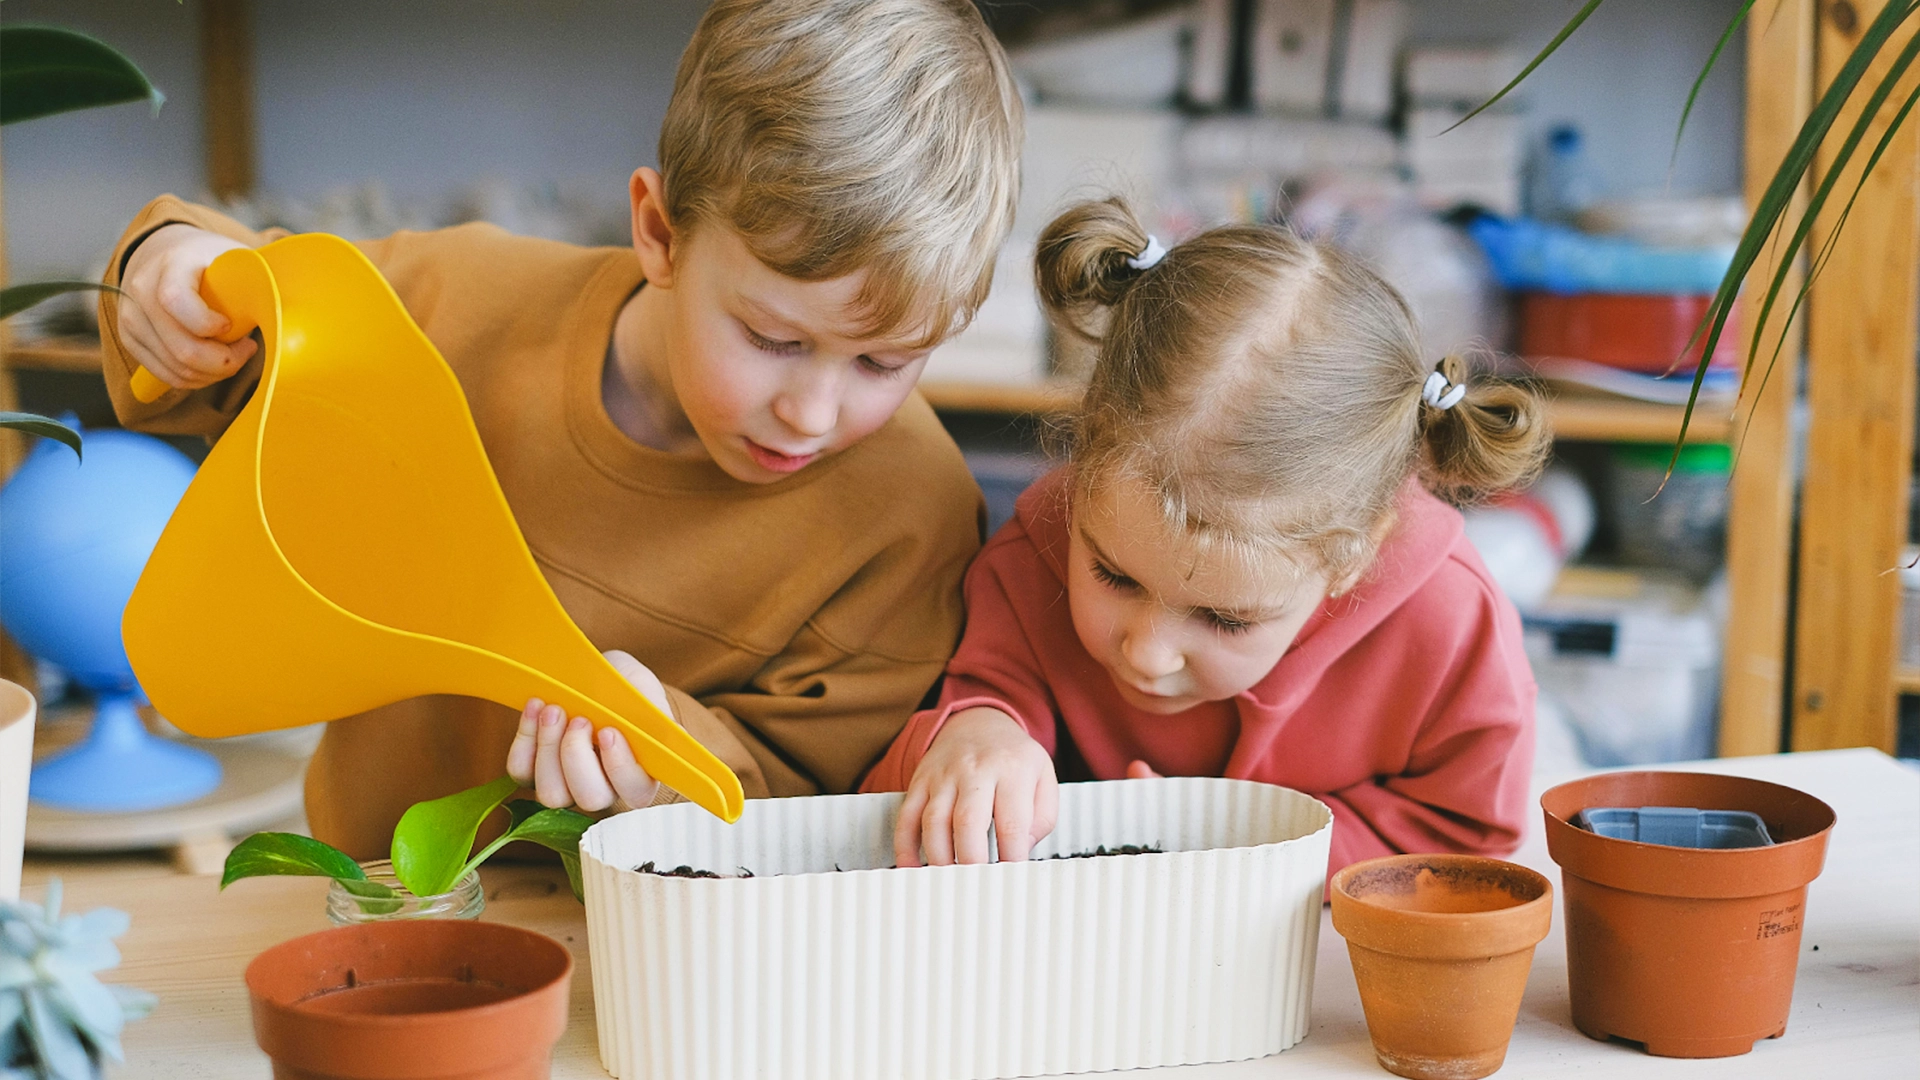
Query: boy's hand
(559, 757)
(164, 325)
(982, 769)
(1140, 770)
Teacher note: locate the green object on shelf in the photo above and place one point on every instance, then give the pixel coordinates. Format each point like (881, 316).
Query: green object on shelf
(1693, 458)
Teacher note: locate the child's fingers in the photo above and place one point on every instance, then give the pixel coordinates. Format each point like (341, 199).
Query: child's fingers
(580, 765)
(179, 293)
(1046, 807)
(1013, 806)
(1140, 770)
(972, 818)
(520, 754)
(630, 781)
(549, 781)
(906, 828)
(936, 828)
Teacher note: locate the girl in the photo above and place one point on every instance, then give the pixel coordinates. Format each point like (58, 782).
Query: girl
(1245, 570)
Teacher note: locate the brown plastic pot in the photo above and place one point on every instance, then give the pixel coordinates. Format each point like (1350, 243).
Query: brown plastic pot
(1441, 946)
(432, 998)
(1689, 952)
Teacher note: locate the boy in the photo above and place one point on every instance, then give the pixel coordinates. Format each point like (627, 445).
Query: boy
(710, 441)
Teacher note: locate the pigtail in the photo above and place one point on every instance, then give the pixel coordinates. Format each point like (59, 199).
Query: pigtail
(1491, 438)
(1084, 263)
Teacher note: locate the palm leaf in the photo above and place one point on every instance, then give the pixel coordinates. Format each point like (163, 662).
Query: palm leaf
(46, 70)
(47, 427)
(15, 299)
(1565, 32)
(1777, 200)
(1694, 93)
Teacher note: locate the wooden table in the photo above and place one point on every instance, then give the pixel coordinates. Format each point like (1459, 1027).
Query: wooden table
(1856, 1006)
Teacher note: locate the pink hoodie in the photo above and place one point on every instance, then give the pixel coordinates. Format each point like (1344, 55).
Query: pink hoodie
(1406, 705)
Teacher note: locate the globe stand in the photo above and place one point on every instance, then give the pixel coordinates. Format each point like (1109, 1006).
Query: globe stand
(121, 767)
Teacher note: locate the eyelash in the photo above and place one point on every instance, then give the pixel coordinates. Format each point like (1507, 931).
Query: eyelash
(788, 348)
(1224, 624)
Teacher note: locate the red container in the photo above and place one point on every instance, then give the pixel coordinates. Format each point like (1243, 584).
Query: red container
(1646, 334)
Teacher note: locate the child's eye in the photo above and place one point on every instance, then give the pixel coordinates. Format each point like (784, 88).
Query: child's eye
(1227, 623)
(885, 371)
(1113, 578)
(767, 344)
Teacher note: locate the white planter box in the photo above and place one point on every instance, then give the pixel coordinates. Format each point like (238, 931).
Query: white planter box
(1204, 952)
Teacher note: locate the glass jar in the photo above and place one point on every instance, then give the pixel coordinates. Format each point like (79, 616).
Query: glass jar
(464, 901)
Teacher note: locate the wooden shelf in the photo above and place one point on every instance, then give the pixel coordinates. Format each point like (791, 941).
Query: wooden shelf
(55, 354)
(1585, 417)
(1906, 680)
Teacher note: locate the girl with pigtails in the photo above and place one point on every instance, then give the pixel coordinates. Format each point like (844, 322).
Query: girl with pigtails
(1250, 567)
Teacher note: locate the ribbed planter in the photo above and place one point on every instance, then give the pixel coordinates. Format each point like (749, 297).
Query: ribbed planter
(411, 1000)
(1441, 946)
(1690, 952)
(16, 766)
(830, 965)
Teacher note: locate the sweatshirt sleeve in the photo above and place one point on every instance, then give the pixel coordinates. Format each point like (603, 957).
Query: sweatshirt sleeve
(1464, 787)
(208, 410)
(995, 667)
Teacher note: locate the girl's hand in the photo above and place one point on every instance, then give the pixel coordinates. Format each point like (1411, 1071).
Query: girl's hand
(566, 765)
(982, 769)
(164, 325)
(1140, 770)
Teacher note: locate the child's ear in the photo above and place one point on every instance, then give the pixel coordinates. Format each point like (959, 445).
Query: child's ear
(653, 239)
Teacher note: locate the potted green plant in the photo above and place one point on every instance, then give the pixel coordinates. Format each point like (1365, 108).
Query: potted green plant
(433, 869)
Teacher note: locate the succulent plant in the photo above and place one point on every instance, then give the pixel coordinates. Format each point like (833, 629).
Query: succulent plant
(56, 1019)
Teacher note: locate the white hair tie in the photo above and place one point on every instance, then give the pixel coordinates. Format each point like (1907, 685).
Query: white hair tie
(1149, 256)
(1440, 393)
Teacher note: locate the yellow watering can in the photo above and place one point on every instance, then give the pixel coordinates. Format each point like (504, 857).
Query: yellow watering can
(346, 544)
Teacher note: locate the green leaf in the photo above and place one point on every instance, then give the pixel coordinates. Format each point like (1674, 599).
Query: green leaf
(270, 853)
(15, 299)
(46, 70)
(1565, 32)
(47, 427)
(558, 829)
(1775, 202)
(431, 843)
(1738, 18)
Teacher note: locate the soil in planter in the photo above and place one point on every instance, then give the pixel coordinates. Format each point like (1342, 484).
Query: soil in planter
(685, 871)
(406, 997)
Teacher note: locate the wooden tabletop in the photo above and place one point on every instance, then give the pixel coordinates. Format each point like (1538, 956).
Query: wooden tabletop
(1856, 1006)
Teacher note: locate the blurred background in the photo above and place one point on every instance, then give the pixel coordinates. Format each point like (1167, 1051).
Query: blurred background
(1561, 236)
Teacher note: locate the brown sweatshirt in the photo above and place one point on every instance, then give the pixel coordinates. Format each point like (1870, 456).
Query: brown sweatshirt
(796, 624)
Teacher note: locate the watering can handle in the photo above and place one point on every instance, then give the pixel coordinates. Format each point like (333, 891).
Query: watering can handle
(224, 288)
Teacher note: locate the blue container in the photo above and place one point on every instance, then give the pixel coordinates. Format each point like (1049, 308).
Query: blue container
(1677, 826)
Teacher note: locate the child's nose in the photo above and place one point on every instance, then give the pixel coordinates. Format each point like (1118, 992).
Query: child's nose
(1148, 651)
(810, 404)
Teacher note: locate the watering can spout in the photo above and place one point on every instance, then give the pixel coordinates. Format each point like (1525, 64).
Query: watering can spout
(346, 544)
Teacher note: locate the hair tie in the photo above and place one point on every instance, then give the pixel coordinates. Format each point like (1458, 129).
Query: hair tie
(1149, 256)
(1440, 393)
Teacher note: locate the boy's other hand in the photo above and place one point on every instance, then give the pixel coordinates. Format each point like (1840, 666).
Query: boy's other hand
(1140, 770)
(982, 769)
(164, 325)
(567, 764)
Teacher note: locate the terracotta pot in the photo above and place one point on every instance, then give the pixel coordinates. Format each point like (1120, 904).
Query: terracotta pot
(435, 998)
(1690, 952)
(16, 765)
(1441, 946)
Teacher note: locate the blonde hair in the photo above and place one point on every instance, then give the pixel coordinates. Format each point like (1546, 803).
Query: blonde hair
(1267, 390)
(845, 135)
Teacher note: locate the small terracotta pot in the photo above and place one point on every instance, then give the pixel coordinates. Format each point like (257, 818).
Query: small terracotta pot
(1690, 952)
(1441, 946)
(411, 1000)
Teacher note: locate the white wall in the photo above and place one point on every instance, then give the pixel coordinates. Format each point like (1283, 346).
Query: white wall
(431, 95)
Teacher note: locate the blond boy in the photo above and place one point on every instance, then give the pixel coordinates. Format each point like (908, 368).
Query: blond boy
(710, 440)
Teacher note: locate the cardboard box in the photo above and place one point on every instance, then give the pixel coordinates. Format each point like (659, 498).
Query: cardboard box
(830, 964)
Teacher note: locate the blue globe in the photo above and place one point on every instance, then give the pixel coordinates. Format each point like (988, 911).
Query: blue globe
(75, 533)
(74, 536)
